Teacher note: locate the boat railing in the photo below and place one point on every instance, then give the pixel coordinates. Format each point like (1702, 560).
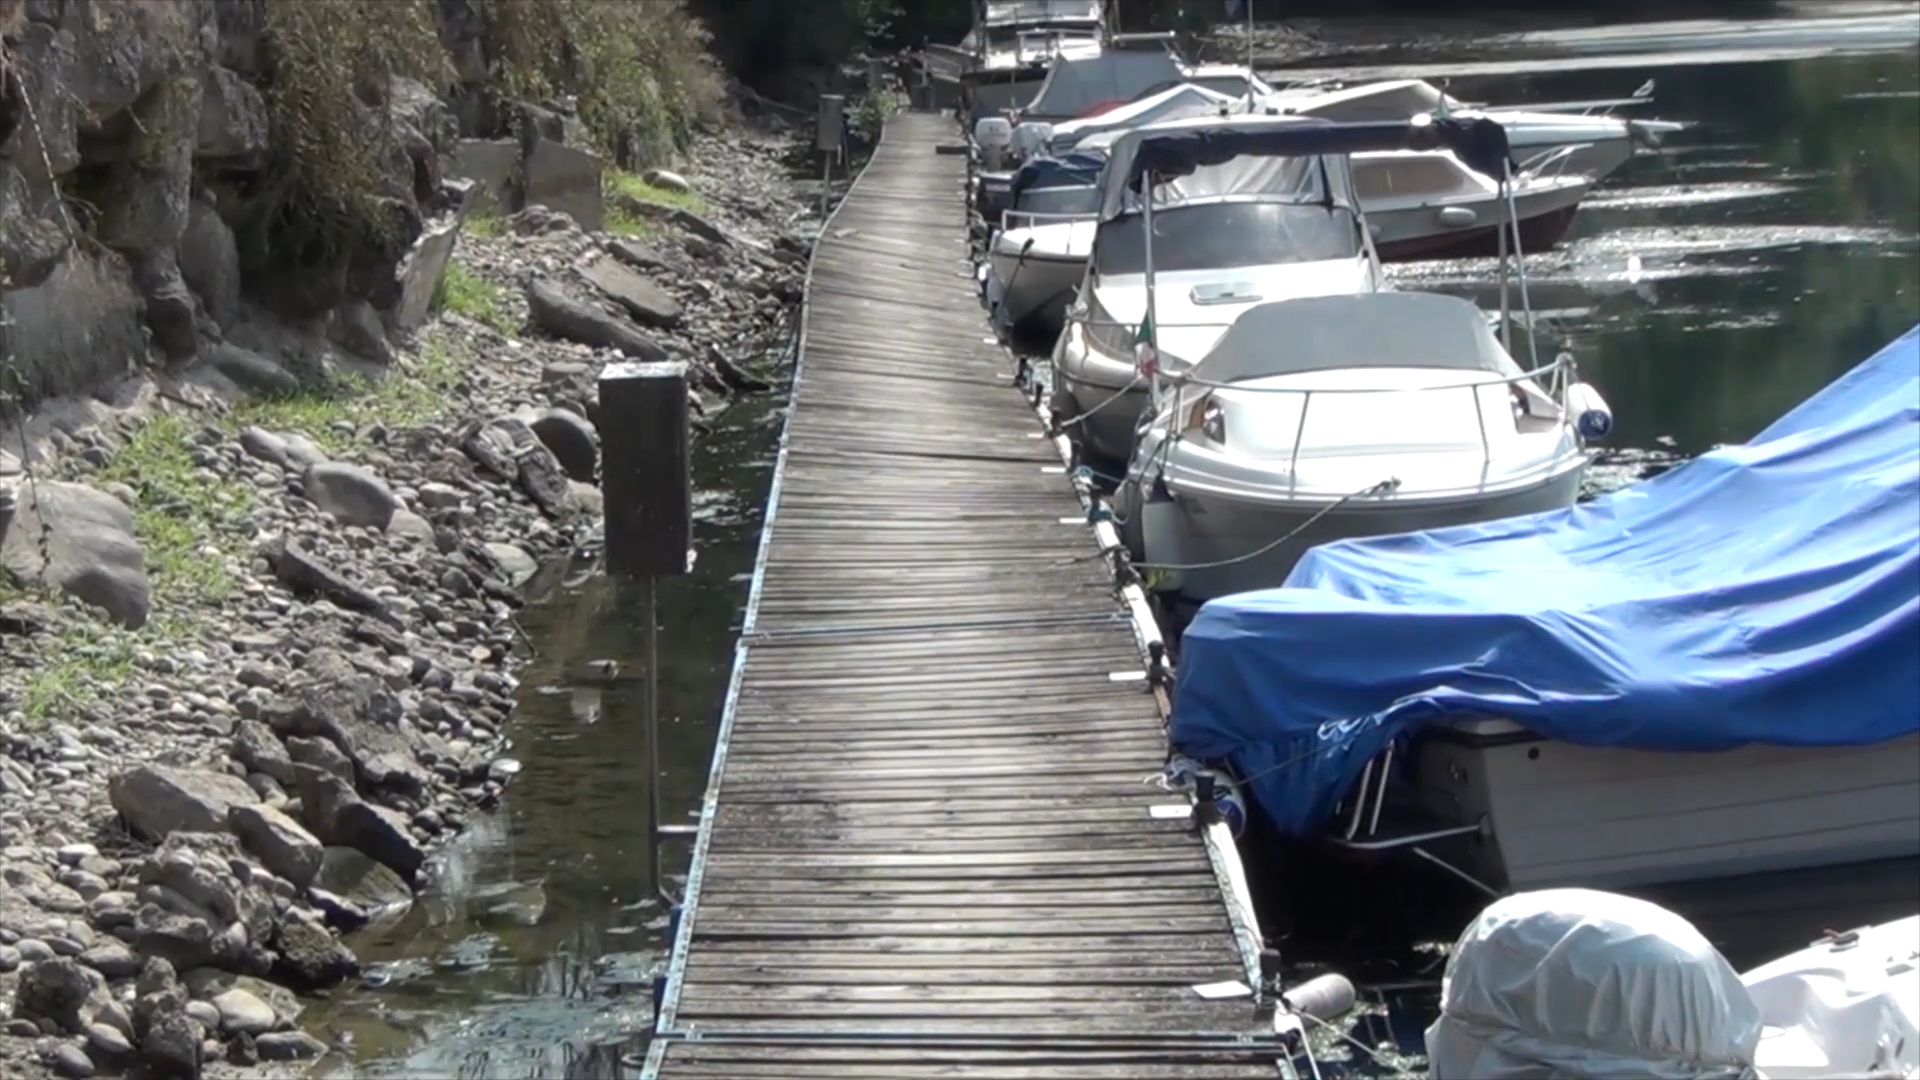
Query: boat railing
(1550, 164)
(1014, 219)
(1554, 376)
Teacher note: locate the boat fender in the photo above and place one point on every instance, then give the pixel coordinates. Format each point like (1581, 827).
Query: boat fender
(1323, 997)
(1457, 216)
(1590, 412)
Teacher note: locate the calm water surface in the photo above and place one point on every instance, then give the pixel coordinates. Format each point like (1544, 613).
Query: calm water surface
(1705, 289)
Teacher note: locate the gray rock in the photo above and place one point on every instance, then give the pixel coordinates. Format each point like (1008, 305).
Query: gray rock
(171, 313)
(437, 496)
(573, 441)
(70, 1060)
(566, 179)
(53, 990)
(310, 958)
(554, 310)
(33, 950)
(322, 794)
(351, 494)
(494, 167)
(638, 254)
(9, 959)
(381, 833)
(334, 701)
(109, 1042)
(112, 960)
(282, 845)
(306, 575)
(518, 566)
(356, 327)
(204, 1014)
(242, 1013)
(156, 974)
(544, 480)
(666, 180)
(251, 371)
(81, 541)
(260, 750)
(422, 270)
(210, 262)
(302, 451)
(354, 889)
(322, 754)
(637, 294)
(233, 116)
(171, 1045)
(260, 443)
(158, 800)
(288, 1046)
(407, 523)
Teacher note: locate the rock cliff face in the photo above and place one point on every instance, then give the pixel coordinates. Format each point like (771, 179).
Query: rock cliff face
(140, 177)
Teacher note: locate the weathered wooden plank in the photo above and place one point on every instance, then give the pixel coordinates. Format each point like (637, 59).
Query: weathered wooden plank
(933, 819)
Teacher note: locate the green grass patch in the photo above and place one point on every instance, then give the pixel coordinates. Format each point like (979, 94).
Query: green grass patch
(489, 225)
(635, 187)
(623, 222)
(466, 293)
(413, 392)
(187, 517)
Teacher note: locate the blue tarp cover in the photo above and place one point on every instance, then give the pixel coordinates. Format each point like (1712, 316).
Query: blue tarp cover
(1768, 592)
(1072, 169)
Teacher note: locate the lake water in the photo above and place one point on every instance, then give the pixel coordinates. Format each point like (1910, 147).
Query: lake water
(1706, 289)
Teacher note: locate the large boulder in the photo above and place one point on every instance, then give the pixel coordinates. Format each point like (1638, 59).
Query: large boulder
(81, 541)
(158, 800)
(331, 699)
(551, 308)
(350, 493)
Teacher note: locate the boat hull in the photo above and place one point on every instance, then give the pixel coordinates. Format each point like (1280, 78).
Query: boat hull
(1089, 387)
(1611, 818)
(1209, 529)
(1035, 289)
(1405, 235)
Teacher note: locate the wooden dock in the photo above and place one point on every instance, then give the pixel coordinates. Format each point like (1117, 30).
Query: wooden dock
(926, 848)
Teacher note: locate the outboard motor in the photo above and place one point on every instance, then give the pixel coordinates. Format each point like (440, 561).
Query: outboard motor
(1031, 138)
(993, 135)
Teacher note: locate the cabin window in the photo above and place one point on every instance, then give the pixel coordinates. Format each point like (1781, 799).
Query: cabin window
(1405, 176)
(1221, 236)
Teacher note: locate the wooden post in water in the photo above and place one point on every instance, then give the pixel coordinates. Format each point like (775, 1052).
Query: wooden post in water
(828, 136)
(646, 483)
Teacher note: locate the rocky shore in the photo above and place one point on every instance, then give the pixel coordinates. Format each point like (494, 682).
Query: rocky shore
(257, 653)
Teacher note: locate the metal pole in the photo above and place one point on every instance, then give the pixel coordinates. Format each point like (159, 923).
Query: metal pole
(1506, 313)
(650, 717)
(1153, 315)
(826, 182)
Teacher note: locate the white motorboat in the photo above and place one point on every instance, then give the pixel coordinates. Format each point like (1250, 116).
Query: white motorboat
(1013, 43)
(1336, 416)
(1429, 205)
(1583, 983)
(1227, 236)
(1582, 143)
(1182, 99)
(1084, 85)
(1039, 254)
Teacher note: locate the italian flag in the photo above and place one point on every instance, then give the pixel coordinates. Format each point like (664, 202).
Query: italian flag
(1146, 359)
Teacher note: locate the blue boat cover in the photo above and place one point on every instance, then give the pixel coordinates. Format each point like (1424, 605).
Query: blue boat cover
(1768, 593)
(1080, 167)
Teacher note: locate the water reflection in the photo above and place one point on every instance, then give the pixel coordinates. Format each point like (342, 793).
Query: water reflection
(535, 954)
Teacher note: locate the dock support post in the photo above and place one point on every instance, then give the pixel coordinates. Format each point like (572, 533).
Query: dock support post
(829, 134)
(646, 483)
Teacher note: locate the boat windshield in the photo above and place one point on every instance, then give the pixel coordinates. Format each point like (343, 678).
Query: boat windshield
(1075, 199)
(1224, 235)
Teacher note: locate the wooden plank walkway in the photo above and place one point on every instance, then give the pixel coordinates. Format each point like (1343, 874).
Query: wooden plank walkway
(926, 847)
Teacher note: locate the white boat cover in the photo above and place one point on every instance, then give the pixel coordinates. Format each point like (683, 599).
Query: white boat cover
(1076, 84)
(1586, 985)
(1183, 100)
(1393, 99)
(1374, 329)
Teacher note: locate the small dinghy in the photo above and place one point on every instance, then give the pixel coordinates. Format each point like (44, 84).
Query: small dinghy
(1588, 985)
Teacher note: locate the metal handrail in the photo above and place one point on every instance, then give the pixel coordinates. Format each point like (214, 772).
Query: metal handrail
(1556, 392)
(1042, 217)
(1557, 159)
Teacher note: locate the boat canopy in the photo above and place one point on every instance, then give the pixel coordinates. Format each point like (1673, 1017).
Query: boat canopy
(1767, 592)
(1183, 100)
(1066, 169)
(1178, 150)
(1393, 99)
(1378, 329)
(1076, 85)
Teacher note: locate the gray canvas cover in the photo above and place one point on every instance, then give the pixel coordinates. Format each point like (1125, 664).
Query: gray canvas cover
(1078, 84)
(1287, 179)
(1171, 104)
(1380, 329)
